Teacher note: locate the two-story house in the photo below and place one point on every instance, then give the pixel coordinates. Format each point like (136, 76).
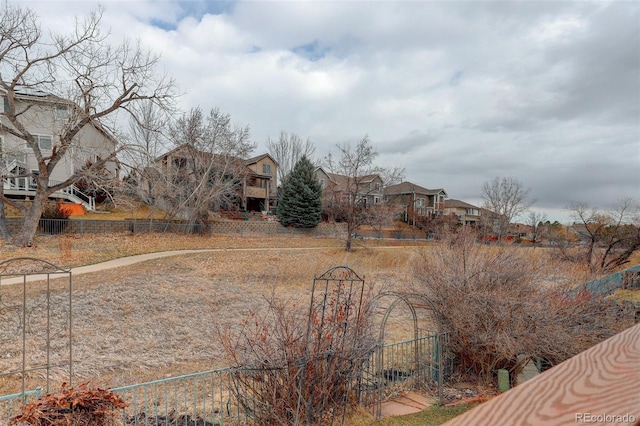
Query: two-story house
(418, 202)
(259, 190)
(336, 188)
(44, 116)
(248, 184)
(468, 214)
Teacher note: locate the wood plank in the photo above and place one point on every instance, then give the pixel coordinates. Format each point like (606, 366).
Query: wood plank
(598, 386)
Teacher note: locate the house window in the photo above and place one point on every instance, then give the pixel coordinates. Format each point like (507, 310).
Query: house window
(323, 183)
(5, 104)
(420, 202)
(266, 169)
(45, 143)
(376, 200)
(62, 111)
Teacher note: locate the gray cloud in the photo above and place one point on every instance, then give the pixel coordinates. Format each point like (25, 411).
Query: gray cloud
(455, 92)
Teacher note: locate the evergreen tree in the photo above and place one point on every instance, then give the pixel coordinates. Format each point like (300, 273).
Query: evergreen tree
(301, 203)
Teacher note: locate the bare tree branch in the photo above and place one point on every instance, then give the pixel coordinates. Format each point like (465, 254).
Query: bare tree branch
(85, 75)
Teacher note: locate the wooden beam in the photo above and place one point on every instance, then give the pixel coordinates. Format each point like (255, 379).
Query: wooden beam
(598, 386)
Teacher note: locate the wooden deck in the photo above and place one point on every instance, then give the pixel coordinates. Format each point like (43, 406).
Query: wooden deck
(598, 386)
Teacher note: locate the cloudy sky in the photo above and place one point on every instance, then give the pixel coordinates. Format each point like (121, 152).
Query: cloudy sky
(456, 92)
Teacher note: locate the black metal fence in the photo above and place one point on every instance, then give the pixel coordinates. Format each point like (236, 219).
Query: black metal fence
(82, 226)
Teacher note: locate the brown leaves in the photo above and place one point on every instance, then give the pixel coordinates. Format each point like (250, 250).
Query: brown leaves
(78, 406)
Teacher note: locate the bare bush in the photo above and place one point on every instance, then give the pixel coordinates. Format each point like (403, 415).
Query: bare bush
(296, 364)
(501, 311)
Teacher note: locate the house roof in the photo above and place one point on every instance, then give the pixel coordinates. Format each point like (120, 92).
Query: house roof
(28, 93)
(34, 94)
(411, 188)
(258, 158)
(342, 181)
(320, 169)
(452, 203)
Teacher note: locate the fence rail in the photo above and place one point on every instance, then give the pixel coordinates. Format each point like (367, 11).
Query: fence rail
(83, 226)
(207, 398)
(10, 404)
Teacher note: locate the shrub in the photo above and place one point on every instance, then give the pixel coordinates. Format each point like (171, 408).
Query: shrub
(53, 211)
(500, 311)
(53, 219)
(298, 365)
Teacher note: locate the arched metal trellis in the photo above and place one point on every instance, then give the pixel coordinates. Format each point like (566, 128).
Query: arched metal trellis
(337, 343)
(415, 363)
(35, 323)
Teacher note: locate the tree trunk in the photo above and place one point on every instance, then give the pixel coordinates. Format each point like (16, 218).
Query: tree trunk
(31, 220)
(347, 244)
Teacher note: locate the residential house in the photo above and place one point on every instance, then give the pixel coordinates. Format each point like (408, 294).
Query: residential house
(468, 214)
(44, 116)
(366, 190)
(260, 190)
(418, 202)
(252, 180)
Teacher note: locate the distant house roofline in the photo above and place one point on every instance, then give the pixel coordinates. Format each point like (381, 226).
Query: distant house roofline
(411, 188)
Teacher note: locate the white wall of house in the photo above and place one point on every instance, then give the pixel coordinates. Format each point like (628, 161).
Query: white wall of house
(45, 120)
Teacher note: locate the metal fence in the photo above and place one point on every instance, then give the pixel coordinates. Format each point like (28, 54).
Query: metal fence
(207, 398)
(134, 226)
(10, 404)
(199, 398)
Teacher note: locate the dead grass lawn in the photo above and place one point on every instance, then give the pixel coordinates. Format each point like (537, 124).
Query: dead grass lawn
(158, 318)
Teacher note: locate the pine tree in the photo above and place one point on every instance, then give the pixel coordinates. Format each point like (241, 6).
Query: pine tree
(301, 203)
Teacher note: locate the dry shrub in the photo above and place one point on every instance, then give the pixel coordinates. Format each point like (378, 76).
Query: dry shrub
(296, 363)
(80, 406)
(501, 311)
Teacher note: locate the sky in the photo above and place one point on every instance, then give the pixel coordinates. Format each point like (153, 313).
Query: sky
(455, 92)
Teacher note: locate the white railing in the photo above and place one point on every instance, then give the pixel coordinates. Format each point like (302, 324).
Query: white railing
(71, 193)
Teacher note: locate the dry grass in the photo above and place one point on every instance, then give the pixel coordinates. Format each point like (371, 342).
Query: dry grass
(627, 295)
(157, 318)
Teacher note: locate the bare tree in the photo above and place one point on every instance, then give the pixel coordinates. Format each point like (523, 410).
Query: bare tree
(538, 226)
(288, 150)
(610, 237)
(506, 198)
(357, 185)
(92, 79)
(206, 170)
(148, 138)
(382, 215)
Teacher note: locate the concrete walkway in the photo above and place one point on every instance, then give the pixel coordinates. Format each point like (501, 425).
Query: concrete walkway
(130, 260)
(409, 403)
